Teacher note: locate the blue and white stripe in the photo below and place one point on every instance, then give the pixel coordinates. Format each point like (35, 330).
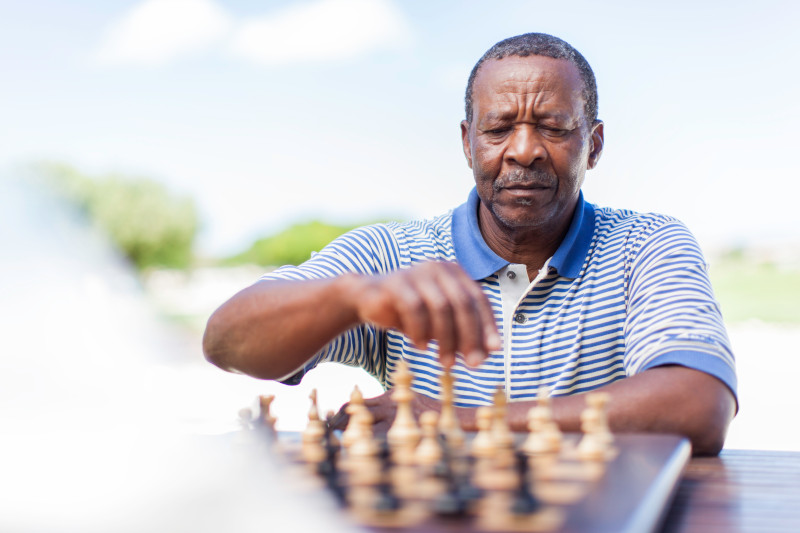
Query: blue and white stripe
(625, 292)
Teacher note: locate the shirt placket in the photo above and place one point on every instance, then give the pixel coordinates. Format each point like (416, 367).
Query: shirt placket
(513, 291)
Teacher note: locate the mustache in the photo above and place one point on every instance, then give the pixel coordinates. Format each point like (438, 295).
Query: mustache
(529, 177)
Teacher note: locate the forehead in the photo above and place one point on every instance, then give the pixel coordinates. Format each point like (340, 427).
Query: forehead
(544, 80)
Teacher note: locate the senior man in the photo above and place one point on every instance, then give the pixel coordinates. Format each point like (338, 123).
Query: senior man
(526, 286)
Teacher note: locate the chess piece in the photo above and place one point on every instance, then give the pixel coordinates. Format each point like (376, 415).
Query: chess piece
(483, 448)
(404, 434)
(356, 403)
(329, 429)
(453, 500)
(312, 449)
(595, 445)
(328, 469)
(544, 436)
(502, 436)
(364, 447)
(363, 466)
(265, 417)
(449, 425)
(524, 502)
(429, 451)
(387, 500)
(428, 457)
(483, 443)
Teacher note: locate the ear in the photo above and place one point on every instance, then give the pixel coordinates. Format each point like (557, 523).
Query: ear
(465, 142)
(597, 139)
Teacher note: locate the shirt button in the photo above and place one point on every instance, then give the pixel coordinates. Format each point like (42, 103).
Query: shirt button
(511, 274)
(520, 318)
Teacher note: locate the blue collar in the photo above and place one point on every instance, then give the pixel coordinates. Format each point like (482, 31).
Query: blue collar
(480, 262)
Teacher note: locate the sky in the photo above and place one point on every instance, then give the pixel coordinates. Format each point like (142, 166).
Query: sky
(269, 113)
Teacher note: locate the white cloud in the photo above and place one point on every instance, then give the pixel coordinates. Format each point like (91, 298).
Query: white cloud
(321, 31)
(158, 31)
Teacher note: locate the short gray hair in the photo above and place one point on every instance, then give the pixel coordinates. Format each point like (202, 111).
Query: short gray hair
(539, 44)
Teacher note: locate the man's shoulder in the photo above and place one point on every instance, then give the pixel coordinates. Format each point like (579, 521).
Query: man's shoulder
(614, 221)
(438, 228)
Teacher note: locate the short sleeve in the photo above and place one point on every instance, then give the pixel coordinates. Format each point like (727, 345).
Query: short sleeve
(672, 315)
(368, 250)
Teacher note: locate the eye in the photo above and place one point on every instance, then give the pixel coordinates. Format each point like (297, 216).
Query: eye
(502, 130)
(552, 131)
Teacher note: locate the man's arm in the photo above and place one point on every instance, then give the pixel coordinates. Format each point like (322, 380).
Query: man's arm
(665, 399)
(272, 328)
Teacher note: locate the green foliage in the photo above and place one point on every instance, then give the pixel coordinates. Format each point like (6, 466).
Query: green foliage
(747, 290)
(148, 224)
(291, 246)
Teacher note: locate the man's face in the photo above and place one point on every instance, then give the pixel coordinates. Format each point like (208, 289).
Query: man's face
(529, 143)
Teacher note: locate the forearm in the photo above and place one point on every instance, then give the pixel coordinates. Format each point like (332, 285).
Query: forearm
(272, 328)
(669, 399)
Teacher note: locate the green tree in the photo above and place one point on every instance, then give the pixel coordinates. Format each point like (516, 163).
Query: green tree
(291, 246)
(151, 226)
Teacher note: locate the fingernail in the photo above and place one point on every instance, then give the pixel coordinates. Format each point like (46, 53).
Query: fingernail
(493, 341)
(475, 358)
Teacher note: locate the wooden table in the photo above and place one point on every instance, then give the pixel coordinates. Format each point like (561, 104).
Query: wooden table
(739, 491)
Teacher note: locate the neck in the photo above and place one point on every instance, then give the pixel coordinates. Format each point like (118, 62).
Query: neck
(529, 246)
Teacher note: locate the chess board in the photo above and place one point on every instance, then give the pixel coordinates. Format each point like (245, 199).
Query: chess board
(629, 492)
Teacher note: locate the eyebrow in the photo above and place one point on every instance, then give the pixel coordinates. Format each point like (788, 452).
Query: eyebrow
(505, 114)
(498, 115)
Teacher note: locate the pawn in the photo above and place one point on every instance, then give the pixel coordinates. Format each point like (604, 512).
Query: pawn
(387, 500)
(364, 447)
(356, 403)
(312, 448)
(328, 469)
(544, 436)
(429, 451)
(597, 438)
(266, 422)
(501, 433)
(330, 436)
(449, 425)
(524, 503)
(404, 434)
(483, 443)
(265, 417)
(599, 401)
(363, 464)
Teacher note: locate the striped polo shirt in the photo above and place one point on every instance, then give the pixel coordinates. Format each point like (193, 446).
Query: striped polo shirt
(624, 292)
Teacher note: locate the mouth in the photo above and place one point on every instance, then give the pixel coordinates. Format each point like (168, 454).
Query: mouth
(524, 186)
(523, 182)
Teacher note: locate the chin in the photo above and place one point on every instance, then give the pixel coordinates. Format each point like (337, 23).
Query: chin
(520, 217)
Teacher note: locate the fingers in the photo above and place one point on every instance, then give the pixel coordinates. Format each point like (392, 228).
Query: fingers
(383, 410)
(435, 301)
(340, 419)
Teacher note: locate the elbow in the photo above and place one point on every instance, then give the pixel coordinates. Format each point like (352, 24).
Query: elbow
(227, 349)
(707, 444)
(222, 345)
(213, 344)
(711, 424)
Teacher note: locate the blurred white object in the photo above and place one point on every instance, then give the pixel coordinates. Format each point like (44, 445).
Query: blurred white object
(97, 399)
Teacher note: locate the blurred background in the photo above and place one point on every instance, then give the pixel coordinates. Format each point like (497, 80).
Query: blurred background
(156, 156)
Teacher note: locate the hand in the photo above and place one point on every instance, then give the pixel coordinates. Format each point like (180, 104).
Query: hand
(383, 410)
(433, 301)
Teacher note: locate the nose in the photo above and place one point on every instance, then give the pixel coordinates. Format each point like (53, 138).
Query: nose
(525, 146)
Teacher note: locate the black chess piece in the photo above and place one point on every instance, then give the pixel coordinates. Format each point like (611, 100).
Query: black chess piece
(387, 500)
(451, 503)
(524, 502)
(328, 469)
